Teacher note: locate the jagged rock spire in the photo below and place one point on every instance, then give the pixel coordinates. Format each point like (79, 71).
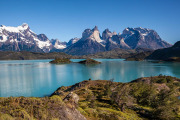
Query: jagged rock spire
(95, 28)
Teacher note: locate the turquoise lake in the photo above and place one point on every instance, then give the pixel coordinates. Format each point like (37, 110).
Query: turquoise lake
(39, 78)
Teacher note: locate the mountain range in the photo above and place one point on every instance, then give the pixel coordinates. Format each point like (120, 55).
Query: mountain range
(22, 38)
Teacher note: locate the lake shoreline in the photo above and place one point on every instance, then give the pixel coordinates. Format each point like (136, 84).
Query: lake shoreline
(100, 96)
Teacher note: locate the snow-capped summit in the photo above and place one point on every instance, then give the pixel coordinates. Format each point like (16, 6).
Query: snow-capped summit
(25, 26)
(22, 38)
(20, 28)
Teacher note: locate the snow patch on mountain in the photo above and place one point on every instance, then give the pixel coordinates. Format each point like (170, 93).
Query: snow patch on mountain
(4, 38)
(75, 40)
(58, 45)
(21, 28)
(42, 44)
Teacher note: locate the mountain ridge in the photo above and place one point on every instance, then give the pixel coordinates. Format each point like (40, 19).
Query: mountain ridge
(166, 53)
(22, 38)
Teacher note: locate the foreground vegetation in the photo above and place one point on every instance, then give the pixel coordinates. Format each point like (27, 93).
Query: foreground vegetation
(144, 98)
(47, 108)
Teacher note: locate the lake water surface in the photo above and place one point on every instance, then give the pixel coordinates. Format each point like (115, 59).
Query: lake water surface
(39, 78)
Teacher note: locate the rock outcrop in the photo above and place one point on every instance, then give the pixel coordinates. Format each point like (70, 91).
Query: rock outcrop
(89, 61)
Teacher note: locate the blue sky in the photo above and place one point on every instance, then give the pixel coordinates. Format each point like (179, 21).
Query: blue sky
(65, 19)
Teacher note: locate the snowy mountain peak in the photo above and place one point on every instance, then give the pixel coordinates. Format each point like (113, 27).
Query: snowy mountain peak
(20, 28)
(25, 25)
(22, 38)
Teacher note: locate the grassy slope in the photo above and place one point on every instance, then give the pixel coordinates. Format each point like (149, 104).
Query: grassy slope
(47, 108)
(144, 98)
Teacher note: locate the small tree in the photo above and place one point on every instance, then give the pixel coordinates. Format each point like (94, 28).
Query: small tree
(107, 91)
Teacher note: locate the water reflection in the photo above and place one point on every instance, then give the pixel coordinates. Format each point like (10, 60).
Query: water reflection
(39, 78)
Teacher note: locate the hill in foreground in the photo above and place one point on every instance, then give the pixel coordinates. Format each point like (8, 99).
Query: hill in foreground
(144, 98)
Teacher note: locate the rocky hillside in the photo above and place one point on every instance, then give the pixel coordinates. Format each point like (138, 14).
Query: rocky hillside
(142, 99)
(115, 53)
(24, 55)
(166, 53)
(121, 53)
